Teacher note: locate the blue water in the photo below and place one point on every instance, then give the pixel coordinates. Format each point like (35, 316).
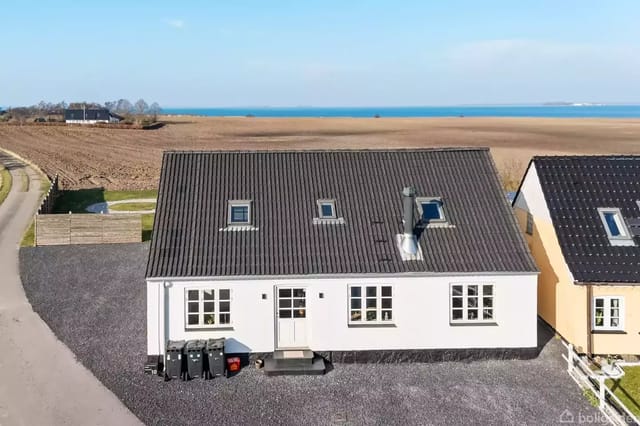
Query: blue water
(591, 111)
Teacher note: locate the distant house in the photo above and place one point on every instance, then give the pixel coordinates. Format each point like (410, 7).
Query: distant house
(581, 218)
(357, 255)
(91, 116)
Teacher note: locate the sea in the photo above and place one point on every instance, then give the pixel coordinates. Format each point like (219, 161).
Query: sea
(547, 111)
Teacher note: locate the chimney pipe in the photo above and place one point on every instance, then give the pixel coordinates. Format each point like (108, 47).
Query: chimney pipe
(409, 243)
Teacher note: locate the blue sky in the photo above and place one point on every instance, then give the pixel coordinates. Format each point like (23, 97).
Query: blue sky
(320, 53)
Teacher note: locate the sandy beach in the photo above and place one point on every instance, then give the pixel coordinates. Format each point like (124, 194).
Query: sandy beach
(130, 159)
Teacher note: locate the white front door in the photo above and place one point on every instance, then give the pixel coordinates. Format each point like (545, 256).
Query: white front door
(291, 317)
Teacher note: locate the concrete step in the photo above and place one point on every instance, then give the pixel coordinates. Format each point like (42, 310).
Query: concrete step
(294, 366)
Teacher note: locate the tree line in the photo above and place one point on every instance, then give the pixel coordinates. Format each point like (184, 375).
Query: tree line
(138, 111)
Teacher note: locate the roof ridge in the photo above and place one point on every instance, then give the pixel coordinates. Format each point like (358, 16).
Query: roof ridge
(280, 151)
(583, 156)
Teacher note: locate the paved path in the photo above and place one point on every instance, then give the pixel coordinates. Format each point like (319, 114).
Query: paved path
(41, 381)
(104, 207)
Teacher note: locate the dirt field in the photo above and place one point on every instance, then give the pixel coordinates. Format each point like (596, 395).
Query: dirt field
(130, 159)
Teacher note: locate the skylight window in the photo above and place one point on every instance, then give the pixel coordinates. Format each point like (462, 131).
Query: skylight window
(613, 223)
(239, 212)
(327, 209)
(431, 210)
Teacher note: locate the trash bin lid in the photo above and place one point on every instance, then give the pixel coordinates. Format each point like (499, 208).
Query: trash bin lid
(215, 343)
(175, 345)
(195, 345)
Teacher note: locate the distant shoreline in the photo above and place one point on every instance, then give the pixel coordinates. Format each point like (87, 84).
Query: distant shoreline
(538, 111)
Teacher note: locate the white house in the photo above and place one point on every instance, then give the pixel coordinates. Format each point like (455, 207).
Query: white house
(90, 116)
(355, 255)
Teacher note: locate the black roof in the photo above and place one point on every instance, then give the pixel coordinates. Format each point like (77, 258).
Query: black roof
(574, 188)
(189, 237)
(88, 114)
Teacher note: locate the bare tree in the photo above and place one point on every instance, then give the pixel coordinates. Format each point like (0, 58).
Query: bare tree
(124, 106)
(110, 105)
(141, 106)
(155, 109)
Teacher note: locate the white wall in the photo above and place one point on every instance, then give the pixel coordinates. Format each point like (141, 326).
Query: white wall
(531, 198)
(86, 121)
(420, 310)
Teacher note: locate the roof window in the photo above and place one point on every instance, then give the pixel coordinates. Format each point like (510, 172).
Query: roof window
(239, 212)
(431, 210)
(613, 223)
(327, 209)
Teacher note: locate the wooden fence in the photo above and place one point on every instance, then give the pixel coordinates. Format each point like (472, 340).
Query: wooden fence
(62, 229)
(48, 201)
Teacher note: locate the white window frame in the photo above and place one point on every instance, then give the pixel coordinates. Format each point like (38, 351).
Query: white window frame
(379, 310)
(438, 201)
(465, 304)
(606, 323)
(239, 203)
(217, 312)
(625, 237)
(330, 202)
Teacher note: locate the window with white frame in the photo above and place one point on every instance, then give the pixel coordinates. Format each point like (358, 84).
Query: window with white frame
(431, 210)
(472, 303)
(608, 313)
(207, 308)
(615, 226)
(370, 304)
(239, 212)
(327, 209)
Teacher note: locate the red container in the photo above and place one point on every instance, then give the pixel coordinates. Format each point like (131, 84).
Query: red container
(233, 364)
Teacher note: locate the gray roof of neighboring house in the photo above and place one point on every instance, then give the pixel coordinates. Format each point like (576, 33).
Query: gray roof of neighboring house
(574, 188)
(89, 114)
(189, 236)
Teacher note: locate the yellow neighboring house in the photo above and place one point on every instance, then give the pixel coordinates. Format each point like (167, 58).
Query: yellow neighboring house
(581, 219)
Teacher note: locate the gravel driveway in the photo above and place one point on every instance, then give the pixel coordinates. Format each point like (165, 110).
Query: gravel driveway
(93, 298)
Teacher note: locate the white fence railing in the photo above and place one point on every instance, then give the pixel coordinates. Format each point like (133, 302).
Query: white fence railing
(609, 404)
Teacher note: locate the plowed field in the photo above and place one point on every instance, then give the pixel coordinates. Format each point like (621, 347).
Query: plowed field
(130, 159)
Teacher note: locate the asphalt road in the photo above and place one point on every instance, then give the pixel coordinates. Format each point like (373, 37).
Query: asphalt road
(41, 381)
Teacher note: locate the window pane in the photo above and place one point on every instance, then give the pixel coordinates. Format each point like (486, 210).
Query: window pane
(487, 302)
(456, 314)
(356, 315)
(209, 306)
(371, 303)
(225, 318)
(192, 294)
(487, 314)
(372, 315)
(327, 210)
(356, 303)
(615, 322)
(371, 291)
(599, 303)
(225, 306)
(285, 313)
(285, 303)
(356, 291)
(615, 303)
(386, 316)
(386, 303)
(193, 307)
(298, 303)
(615, 312)
(472, 314)
(610, 218)
(299, 313)
(284, 292)
(456, 290)
(472, 302)
(487, 290)
(209, 319)
(472, 290)
(240, 214)
(192, 319)
(298, 292)
(431, 211)
(386, 291)
(208, 295)
(456, 302)
(599, 317)
(225, 294)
